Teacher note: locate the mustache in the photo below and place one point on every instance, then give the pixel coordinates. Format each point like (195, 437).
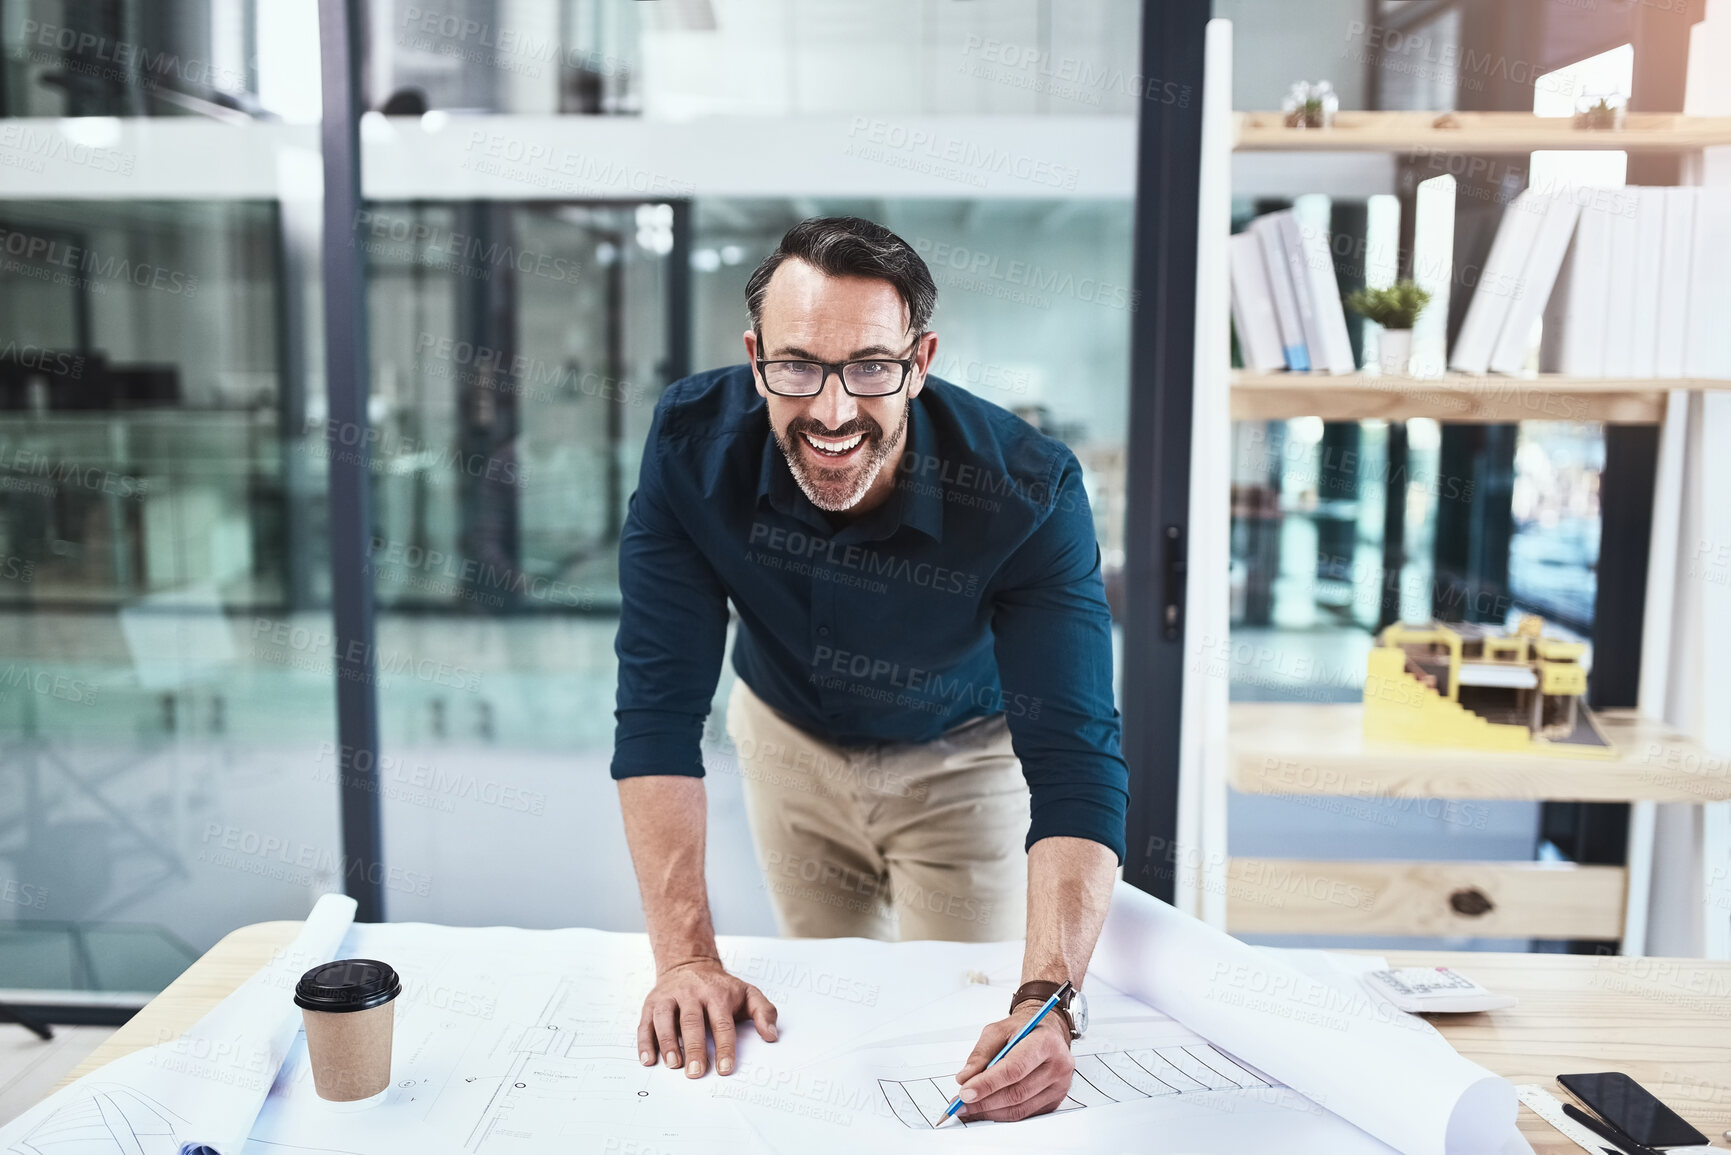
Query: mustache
(860, 424)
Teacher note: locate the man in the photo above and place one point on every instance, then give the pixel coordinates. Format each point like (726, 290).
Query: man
(922, 626)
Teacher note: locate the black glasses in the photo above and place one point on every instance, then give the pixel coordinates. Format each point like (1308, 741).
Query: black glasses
(869, 377)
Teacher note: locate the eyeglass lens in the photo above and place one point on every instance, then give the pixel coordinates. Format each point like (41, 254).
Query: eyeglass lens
(870, 378)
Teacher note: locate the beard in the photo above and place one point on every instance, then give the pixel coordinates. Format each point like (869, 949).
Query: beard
(838, 490)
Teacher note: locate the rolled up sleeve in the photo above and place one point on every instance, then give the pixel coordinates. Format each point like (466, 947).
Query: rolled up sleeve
(1053, 640)
(672, 631)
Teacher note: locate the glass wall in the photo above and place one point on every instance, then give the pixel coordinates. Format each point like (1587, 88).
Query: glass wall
(758, 58)
(513, 385)
(166, 665)
(521, 338)
(166, 704)
(170, 768)
(129, 58)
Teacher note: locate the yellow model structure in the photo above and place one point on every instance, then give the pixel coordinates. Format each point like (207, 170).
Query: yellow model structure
(1465, 685)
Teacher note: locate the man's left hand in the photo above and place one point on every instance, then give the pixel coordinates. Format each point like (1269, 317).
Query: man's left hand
(1033, 1078)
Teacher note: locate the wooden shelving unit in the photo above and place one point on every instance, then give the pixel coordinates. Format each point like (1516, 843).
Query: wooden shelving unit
(1454, 397)
(1477, 132)
(1316, 752)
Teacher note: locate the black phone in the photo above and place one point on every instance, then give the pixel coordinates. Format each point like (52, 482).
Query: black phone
(1630, 1107)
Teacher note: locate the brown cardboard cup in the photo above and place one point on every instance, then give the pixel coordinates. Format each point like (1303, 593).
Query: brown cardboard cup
(349, 1011)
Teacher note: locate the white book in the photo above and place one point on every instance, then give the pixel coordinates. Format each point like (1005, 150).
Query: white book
(1498, 284)
(1253, 307)
(1267, 231)
(1292, 246)
(1649, 253)
(1619, 289)
(1334, 341)
(1538, 277)
(1708, 352)
(1676, 268)
(1574, 340)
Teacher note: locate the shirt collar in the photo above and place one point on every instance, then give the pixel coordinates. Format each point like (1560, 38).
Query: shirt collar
(918, 500)
(921, 485)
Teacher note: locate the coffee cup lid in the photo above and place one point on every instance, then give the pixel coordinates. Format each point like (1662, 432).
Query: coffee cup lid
(349, 984)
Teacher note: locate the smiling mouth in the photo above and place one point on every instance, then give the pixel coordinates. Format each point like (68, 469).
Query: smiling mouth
(833, 447)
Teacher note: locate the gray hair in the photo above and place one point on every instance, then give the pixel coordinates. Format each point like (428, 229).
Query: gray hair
(850, 247)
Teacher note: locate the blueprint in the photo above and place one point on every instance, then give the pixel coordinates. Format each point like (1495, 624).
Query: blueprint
(516, 1042)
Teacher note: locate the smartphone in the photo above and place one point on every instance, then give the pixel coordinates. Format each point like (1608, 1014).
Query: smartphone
(1630, 1107)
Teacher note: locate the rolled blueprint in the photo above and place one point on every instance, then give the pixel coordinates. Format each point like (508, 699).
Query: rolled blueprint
(1386, 1072)
(197, 1093)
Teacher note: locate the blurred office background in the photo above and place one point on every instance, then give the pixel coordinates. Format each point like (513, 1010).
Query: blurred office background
(536, 279)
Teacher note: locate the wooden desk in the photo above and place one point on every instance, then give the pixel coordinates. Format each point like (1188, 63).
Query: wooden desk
(1665, 1022)
(185, 1000)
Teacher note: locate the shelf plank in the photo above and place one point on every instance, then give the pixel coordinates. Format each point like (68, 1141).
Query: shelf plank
(1367, 897)
(1319, 749)
(1455, 397)
(1478, 132)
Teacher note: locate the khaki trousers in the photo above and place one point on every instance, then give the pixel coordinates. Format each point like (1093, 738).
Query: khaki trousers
(892, 840)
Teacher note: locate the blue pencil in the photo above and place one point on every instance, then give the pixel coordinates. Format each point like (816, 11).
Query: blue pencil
(1027, 1029)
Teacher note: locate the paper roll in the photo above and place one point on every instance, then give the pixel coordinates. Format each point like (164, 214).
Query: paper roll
(1388, 1073)
(201, 1091)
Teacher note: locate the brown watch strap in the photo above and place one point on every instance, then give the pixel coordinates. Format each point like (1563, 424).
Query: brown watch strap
(1039, 992)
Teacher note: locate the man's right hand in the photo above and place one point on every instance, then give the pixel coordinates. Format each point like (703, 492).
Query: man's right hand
(692, 1000)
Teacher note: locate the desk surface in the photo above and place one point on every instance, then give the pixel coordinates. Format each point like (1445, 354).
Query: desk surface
(1665, 1022)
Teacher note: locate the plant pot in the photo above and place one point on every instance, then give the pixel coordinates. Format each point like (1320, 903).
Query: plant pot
(1395, 352)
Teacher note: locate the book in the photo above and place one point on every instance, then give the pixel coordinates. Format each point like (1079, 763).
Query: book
(1253, 306)
(1707, 350)
(1499, 283)
(1619, 288)
(1330, 313)
(1676, 268)
(1538, 278)
(1574, 332)
(1644, 306)
(1292, 250)
(1267, 231)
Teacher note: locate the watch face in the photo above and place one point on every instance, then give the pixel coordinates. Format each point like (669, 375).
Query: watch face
(1079, 1013)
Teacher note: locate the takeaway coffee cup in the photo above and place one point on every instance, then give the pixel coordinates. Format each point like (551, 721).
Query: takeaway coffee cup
(348, 1008)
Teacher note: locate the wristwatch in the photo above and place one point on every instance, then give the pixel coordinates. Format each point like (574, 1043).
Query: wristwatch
(1072, 1005)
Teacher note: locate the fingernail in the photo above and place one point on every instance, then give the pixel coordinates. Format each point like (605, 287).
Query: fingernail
(645, 1058)
(969, 1094)
(693, 1069)
(725, 1066)
(672, 1059)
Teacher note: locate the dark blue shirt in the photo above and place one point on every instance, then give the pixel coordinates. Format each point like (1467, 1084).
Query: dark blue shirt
(974, 590)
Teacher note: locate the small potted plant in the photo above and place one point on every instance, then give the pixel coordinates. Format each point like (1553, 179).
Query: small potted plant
(1396, 309)
(1310, 105)
(1602, 113)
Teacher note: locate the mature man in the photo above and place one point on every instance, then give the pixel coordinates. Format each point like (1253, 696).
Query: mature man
(924, 660)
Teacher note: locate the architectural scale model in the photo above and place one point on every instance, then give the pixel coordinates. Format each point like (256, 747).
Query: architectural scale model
(1472, 686)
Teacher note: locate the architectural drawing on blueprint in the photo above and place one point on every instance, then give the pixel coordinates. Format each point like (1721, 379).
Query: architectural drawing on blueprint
(109, 1118)
(1102, 1078)
(506, 1043)
(554, 1063)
